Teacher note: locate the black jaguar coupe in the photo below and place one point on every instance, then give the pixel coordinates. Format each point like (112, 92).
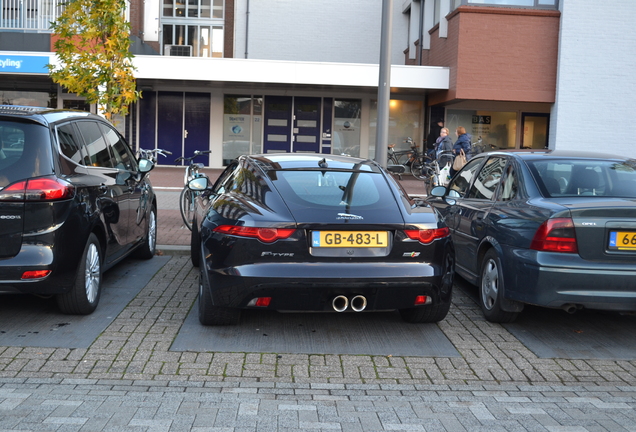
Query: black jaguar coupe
(317, 233)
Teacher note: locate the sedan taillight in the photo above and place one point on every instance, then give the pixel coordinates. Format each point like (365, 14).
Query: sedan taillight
(555, 235)
(38, 189)
(266, 235)
(426, 236)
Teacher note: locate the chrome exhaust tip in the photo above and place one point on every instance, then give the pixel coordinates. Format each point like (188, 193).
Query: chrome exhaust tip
(358, 303)
(569, 308)
(340, 303)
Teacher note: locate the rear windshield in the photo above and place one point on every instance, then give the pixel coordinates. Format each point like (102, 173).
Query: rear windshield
(338, 190)
(567, 178)
(25, 151)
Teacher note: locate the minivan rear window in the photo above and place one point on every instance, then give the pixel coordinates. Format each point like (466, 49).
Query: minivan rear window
(25, 151)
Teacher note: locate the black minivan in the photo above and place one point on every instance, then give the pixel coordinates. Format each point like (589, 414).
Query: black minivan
(74, 201)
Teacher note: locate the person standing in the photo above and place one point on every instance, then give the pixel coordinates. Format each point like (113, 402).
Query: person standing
(444, 149)
(433, 136)
(463, 143)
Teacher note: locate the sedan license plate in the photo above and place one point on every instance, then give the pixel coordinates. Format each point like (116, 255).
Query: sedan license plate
(622, 240)
(375, 239)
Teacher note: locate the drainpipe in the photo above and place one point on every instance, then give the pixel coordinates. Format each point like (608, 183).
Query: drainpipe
(247, 25)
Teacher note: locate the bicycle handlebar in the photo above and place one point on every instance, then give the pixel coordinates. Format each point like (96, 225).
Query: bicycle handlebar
(196, 153)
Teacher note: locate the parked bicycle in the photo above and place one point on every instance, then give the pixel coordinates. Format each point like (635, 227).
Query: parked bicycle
(416, 160)
(186, 199)
(152, 154)
(434, 171)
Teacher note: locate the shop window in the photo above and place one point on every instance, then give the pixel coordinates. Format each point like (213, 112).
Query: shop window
(497, 129)
(405, 120)
(242, 124)
(346, 129)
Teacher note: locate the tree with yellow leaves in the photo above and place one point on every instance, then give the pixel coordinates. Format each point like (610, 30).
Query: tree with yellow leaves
(93, 51)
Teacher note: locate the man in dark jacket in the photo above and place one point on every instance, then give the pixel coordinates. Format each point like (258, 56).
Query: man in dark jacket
(433, 135)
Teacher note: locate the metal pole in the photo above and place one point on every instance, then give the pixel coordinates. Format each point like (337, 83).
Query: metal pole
(384, 84)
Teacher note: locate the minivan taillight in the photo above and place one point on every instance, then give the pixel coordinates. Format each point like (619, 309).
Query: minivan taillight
(266, 235)
(38, 189)
(555, 235)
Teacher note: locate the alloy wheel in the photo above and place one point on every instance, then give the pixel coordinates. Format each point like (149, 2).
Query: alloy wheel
(92, 273)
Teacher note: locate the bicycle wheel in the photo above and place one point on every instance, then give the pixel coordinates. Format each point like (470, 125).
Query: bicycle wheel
(392, 160)
(419, 169)
(186, 205)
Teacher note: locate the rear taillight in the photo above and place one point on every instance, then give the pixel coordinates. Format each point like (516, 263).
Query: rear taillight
(38, 189)
(426, 236)
(36, 274)
(555, 235)
(266, 235)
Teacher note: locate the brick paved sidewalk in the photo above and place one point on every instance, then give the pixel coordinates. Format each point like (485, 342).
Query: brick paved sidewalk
(129, 380)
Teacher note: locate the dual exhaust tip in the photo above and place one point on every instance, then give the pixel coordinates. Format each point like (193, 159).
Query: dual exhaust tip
(341, 303)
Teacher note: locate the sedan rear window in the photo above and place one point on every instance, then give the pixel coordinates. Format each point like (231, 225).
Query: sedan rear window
(567, 178)
(25, 151)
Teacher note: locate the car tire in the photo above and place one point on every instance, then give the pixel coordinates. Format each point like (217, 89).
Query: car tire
(491, 286)
(84, 295)
(195, 244)
(209, 314)
(149, 246)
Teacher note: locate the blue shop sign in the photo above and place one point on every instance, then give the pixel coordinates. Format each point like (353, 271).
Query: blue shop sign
(24, 64)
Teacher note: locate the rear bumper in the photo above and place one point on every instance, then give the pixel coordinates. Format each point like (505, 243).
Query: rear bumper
(312, 287)
(33, 257)
(558, 280)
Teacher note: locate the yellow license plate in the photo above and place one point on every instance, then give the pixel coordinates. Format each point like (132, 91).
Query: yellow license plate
(622, 240)
(377, 239)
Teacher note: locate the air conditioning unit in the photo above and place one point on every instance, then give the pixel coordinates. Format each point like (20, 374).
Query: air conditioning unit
(177, 50)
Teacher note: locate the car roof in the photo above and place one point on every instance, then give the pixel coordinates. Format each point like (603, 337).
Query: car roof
(41, 115)
(287, 161)
(555, 154)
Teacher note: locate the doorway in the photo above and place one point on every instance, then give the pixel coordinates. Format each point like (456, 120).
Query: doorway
(292, 124)
(535, 127)
(175, 121)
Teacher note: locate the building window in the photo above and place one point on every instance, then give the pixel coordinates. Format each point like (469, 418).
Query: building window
(192, 40)
(193, 28)
(193, 8)
(539, 4)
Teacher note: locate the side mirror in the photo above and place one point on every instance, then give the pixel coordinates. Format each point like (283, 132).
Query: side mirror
(199, 184)
(145, 165)
(438, 191)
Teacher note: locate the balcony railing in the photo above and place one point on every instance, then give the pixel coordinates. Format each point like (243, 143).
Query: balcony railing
(29, 15)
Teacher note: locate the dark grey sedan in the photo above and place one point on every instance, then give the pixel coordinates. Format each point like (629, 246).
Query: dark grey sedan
(550, 228)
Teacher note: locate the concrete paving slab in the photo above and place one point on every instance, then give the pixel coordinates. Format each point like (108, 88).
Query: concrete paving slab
(587, 334)
(30, 321)
(373, 333)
